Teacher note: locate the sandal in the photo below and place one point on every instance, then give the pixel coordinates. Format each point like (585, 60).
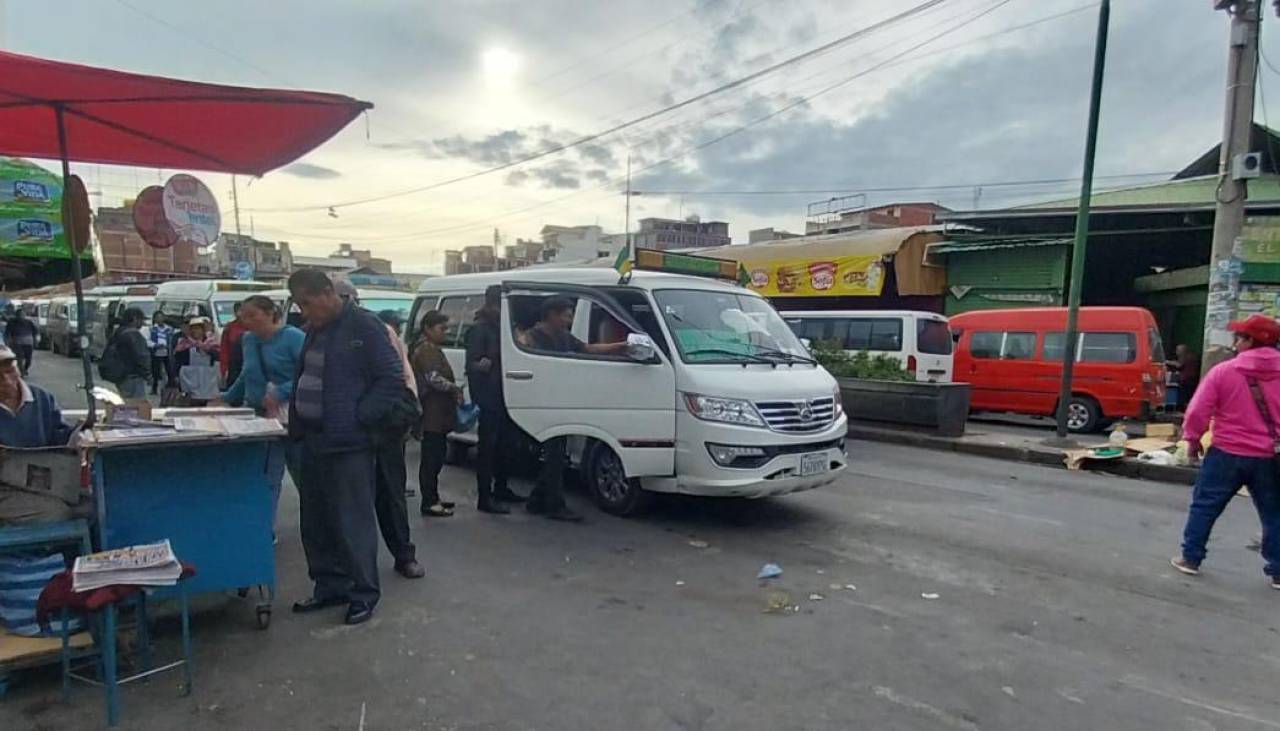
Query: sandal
(437, 511)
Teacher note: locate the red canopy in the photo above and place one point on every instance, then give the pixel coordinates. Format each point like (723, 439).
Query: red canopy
(121, 118)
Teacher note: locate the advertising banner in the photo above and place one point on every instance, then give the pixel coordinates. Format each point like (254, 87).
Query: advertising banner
(1260, 240)
(842, 276)
(31, 212)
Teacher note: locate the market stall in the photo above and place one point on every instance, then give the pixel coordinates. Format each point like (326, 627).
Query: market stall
(196, 480)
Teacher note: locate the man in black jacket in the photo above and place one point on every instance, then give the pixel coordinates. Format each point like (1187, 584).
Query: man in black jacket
(134, 354)
(484, 376)
(350, 379)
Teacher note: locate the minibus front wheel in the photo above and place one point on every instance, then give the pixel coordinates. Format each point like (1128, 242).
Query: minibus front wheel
(607, 479)
(1083, 415)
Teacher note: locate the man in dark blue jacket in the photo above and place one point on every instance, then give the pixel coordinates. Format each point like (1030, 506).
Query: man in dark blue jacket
(349, 379)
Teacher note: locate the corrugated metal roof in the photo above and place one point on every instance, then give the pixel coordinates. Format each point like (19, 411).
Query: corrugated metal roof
(1191, 192)
(951, 247)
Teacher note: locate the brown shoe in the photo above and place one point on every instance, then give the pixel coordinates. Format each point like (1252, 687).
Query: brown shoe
(411, 570)
(1185, 566)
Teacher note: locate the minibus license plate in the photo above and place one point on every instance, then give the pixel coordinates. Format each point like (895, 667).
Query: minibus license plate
(813, 464)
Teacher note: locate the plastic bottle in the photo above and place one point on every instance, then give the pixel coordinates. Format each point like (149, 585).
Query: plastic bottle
(1118, 436)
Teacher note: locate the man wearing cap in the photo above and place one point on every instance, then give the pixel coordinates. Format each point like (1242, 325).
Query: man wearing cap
(29, 416)
(1242, 398)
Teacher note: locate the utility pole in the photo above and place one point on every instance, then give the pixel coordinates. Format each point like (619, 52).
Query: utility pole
(1081, 241)
(1225, 263)
(235, 203)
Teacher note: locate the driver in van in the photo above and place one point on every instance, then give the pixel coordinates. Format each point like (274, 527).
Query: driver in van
(552, 334)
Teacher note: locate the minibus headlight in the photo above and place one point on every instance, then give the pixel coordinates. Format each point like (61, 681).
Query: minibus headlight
(727, 410)
(839, 404)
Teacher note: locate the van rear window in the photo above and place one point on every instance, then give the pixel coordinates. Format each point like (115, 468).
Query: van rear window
(933, 337)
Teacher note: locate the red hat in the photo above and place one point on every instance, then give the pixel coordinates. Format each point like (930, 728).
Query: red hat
(1261, 329)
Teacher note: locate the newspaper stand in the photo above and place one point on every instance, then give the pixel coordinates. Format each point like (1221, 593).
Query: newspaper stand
(207, 493)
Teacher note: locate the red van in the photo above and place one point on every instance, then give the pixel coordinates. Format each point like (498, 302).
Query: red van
(1013, 361)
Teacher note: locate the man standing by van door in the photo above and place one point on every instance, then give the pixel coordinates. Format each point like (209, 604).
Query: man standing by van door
(552, 335)
(484, 376)
(1242, 397)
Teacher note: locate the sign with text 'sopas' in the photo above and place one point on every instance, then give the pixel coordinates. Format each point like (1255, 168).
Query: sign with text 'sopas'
(192, 210)
(856, 276)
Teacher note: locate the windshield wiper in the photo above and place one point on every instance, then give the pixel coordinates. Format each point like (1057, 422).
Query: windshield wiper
(785, 356)
(734, 353)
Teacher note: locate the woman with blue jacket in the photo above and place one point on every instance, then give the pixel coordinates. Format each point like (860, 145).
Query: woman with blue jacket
(271, 352)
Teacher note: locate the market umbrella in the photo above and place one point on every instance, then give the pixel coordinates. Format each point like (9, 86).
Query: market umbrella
(68, 112)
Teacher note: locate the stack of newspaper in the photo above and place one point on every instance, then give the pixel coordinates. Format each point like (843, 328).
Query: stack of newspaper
(152, 564)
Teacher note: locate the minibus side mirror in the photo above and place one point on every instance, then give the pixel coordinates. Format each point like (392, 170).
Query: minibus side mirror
(640, 348)
(955, 335)
(807, 343)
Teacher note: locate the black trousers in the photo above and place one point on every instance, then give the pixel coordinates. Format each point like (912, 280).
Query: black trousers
(549, 492)
(24, 357)
(389, 501)
(434, 448)
(338, 522)
(159, 369)
(496, 432)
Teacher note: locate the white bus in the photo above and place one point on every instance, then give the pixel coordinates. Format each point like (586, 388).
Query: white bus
(212, 298)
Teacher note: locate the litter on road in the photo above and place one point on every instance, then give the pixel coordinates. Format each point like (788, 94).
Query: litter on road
(769, 571)
(699, 544)
(929, 595)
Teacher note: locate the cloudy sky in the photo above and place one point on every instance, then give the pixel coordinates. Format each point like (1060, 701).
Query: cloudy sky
(966, 93)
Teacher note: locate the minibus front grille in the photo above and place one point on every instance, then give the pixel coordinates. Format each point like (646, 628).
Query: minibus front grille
(798, 417)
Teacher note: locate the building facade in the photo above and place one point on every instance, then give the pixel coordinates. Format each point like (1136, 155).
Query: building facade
(762, 235)
(831, 217)
(691, 233)
(363, 258)
(123, 256)
(569, 244)
(267, 261)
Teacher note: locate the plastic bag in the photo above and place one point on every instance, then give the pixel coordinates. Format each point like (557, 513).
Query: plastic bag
(468, 414)
(1157, 457)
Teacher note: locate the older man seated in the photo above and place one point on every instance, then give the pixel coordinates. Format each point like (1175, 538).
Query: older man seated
(29, 417)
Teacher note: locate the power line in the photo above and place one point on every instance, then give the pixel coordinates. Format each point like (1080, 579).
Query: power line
(900, 188)
(557, 149)
(889, 62)
(703, 145)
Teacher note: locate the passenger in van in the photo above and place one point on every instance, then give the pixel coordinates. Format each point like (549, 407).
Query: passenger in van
(552, 334)
(484, 376)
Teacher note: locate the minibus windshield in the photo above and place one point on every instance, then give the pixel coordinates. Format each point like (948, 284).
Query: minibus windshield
(726, 327)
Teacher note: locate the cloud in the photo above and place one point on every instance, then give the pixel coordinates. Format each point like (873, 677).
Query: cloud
(310, 170)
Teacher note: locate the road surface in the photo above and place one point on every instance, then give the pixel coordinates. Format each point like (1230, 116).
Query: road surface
(933, 591)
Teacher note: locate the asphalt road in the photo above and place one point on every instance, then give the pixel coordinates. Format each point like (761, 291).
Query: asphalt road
(989, 595)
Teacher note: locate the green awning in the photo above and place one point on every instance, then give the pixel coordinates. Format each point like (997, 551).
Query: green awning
(955, 247)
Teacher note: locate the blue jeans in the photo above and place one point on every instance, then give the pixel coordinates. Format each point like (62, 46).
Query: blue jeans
(1221, 477)
(133, 387)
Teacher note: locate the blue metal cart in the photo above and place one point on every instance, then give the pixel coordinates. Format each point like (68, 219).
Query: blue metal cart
(208, 496)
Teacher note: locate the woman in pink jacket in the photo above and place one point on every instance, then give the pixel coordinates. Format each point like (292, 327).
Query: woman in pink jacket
(1245, 439)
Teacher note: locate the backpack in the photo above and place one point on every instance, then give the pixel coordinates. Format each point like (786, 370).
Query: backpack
(110, 366)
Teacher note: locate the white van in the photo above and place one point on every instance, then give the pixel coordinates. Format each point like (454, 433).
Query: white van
(725, 404)
(374, 300)
(63, 327)
(212, 298)
(921, 341)
(112, 302)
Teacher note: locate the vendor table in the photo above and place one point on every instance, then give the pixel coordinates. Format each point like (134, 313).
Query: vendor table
(209, 497)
